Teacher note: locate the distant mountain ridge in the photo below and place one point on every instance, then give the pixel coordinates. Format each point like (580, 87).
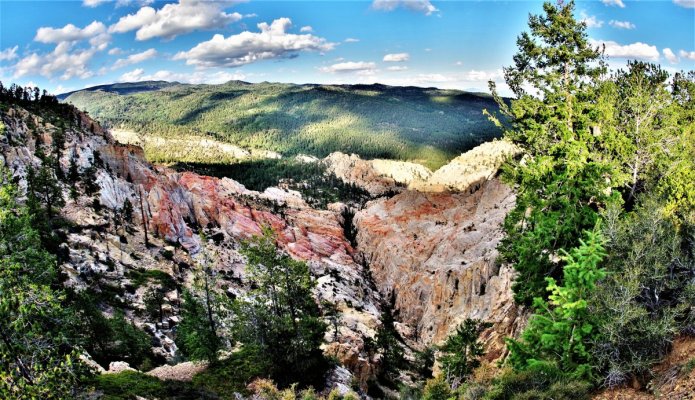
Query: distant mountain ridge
(123, 88)
(425, 125)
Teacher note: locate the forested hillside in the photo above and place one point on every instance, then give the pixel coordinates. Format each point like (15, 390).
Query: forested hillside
(429, 126)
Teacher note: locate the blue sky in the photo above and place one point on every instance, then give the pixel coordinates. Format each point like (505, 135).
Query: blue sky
(69, 45)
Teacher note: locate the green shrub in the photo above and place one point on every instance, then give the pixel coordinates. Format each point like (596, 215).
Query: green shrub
(127, 385)
(562, 329)
(645, 301)
(436, 389)
(233, 374)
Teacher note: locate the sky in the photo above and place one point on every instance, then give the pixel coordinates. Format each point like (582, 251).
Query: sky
(69, 45)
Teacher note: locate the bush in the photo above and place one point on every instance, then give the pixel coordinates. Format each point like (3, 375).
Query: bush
(436, 389)
(128, 385)
(233, 374)
(543, 381)
(645, 299)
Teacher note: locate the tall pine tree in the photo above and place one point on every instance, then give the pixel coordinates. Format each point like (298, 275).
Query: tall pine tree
(563, 178)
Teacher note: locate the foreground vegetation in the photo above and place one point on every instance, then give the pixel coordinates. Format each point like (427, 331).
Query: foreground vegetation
(603, 232)
(602, 238)
(429, 126)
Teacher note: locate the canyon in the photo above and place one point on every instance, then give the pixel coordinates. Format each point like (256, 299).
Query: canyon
(424, 245)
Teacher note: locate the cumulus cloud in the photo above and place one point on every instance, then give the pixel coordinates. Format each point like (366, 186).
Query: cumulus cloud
(115, 51)
(690, 55)
(60, 62)
(272, 42)
(685, 3)
(69, 33)
(670, 55)
(397, 68)
(306, 29)
(351, 40)
(175, 19)
(196, 77)
(397, 57)
(617, 3)
(634, 50)
(135, 58)
(349, 66)
(622, 24)
(590, 20)
(65, 61)
(421, 6)
(9, 53)
(133, 76)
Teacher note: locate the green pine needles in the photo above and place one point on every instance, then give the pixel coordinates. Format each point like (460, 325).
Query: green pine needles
(561, 331)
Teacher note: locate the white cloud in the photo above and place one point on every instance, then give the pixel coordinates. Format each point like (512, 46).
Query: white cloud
(134, 58)
(397, 57)
(459, 63)
(9, 53)
(133, 76)
(635, 50)
(421, 6)
(306, 29)
(351, 40)
(93, 3)
(61, 62)
(64, 61)
(618, 3)
(590, 20)
(115, 51)
(175, 19)
(69, 33)
(670, 56)
(272, 42)
(397, 68)
(690, 55)
(685, 3)
(622, 24)
(196, 77)
(349, 66)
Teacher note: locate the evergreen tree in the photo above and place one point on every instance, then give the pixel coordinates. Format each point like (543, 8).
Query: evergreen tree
(194, 336)
(43, 191)
(563, 177)
(388, 342)
(201, 313)
(462, 351)
(37, 362)
(127, 210)
(154, 300)
(562, 329)
(279, 318)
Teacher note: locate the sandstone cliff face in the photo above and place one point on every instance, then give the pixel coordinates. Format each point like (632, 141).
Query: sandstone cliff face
(435, 254)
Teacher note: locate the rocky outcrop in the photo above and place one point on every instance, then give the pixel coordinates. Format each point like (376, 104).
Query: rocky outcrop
(379, 177)
(105, 251)
(470, 169)
(435, 254)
